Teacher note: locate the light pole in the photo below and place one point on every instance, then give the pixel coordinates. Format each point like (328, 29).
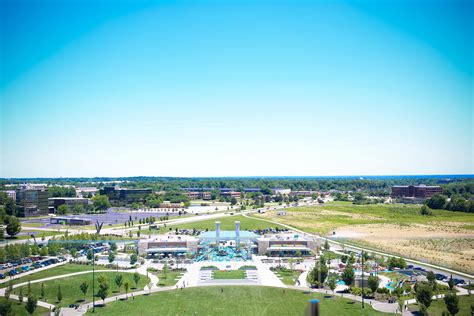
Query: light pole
(93, 282)
(362, 260)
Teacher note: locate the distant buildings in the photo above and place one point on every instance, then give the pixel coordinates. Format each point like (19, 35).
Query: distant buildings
(303, 193)
(31, 200)
(69, 201)
(11, 194)
(86, 191)
(286, 245)
(415, 191)
(125, 194)
(69, 221)
(281, 191)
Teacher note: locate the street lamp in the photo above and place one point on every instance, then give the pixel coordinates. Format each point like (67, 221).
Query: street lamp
(362, 260)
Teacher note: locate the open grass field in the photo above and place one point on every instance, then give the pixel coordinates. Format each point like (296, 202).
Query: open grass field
(71, 292)
(227, 223)
(228, 274)
(18, 309)
(437, 307)
(446, 238)
(60, 270)
(169, 279)
(288, 277)
(234, 300)
(26, 234)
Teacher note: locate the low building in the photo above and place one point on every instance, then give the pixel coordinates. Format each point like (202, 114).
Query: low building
(277, 191)
(125, 194)
(69, 201)
(11, 194)
(69, 220)
(231, 194)
(415, 191)
(286, 245)
(303, 193)
(168, 204)
(168, 245)
(86, 191)
(194, 195)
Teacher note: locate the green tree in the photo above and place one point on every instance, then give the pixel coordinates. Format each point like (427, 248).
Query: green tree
(13, 225)
(10, 207)
(326, 245)
(103, 290)
(373, 282)
(136, 278)
(62, 209)
(101, 202)
(5, 307)
(118, 281)
(318, 274)
(436, 202)
(90, 255)
(42, 290)
(20, 295)
(111, 257)
(348, 275)
(452, 303)
(424, 293)
(31, 304)
(332, 284)
(425, 210)
(165, 270)
(78, 209)
(84, 287)
(233, 201)
(44, 251)
(113, 247)
(451, 282)
(431, 279)
(133, 259)
(126, 286)
(59, 295)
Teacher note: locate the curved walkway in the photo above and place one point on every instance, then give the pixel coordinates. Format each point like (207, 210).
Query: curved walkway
(142, 270)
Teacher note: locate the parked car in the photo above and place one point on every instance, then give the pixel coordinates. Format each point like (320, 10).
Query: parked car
(2, 276)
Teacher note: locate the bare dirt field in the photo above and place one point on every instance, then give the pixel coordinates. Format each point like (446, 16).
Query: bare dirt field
(445, 238)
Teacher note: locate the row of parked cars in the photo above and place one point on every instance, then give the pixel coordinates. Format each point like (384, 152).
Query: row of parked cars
(21, 266)
(439, 276)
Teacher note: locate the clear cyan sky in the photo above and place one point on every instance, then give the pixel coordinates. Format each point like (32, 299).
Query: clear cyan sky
(236, 88)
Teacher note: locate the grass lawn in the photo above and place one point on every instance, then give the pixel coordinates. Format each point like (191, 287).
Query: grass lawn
(437, 307)
(20, 310)
(228, 274)
(38, 234)
(70, 287)
(63, 269)
(227, 223)
(170, 278)
(234, 300)
(287, 276)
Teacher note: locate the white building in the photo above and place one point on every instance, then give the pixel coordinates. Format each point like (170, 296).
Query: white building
(281, 191)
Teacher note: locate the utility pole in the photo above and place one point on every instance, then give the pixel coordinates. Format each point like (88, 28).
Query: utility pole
(93, 282)
(362, 260)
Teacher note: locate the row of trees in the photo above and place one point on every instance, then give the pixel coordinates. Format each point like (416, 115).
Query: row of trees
(456, 203)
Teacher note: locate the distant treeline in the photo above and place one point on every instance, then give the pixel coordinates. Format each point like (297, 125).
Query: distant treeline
(453, 184)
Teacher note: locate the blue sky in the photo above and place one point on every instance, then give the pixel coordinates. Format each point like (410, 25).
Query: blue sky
(236, 88)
